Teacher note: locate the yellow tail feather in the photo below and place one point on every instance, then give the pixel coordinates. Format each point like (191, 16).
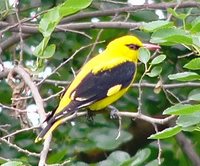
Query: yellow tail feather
(45, 133)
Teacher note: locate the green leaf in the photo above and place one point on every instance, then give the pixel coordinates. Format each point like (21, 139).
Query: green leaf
(155, 71)
(49, 21)
(41, 47)
(144, 16)
(144, 55)
(182, 109)
(194, 95)
(49, 51)
(13, 163)
(171, 36)
(169, 132)
(188, 120)
(194, 64)
(138, 159)
(184, 76)
(154, 25)
(119, 156)
(56, 157)
(158, 59)
(73, 6)
(106, 140)
(181, 16)
(115, 158)
(195, 25)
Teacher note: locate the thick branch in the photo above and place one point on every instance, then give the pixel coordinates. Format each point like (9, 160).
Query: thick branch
(44, 152)
(130, 115)
(33, 28)
(144, 84)
(187, 148)
(114, 11)
(4, 73)
(38, 100)
(11, 41)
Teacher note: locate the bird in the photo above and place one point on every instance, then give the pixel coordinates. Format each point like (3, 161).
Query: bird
(100, 82)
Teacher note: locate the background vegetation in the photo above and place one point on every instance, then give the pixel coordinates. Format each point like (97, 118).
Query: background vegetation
(43, 45)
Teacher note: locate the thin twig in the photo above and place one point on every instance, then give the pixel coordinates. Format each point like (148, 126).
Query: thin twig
(20, 31)
(5, 125)
(12, 108)
(22, 98)
(19, 148)
(140, 93)
(19, 131)
(93, 46)
(4, 159)
(74, 31)
(159, 145)
(175, 7)
(54, 95)
(115, 2)
(167, 96)
(172, 94)
(65, 62)
(119, 128)
(61, 164)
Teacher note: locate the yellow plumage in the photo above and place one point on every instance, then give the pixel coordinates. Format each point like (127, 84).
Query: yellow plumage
(100, 82)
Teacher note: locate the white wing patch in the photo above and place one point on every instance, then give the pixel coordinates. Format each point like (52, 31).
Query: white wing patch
(72, 96)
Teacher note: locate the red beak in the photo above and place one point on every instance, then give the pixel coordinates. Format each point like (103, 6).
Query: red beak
(151, 47)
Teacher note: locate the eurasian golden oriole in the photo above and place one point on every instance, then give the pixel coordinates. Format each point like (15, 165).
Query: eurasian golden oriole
(100, 82)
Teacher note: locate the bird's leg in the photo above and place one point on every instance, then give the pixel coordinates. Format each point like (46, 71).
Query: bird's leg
(113, 112)
(114, 115)
(90, 115)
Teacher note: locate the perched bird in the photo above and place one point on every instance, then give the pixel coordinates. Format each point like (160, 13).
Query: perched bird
(100, 82)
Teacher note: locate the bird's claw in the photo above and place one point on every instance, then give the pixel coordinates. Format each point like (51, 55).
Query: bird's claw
(113, 112)
(90, 116)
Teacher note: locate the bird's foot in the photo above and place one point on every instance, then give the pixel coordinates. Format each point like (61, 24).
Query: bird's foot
(90, 115)
(113, 112)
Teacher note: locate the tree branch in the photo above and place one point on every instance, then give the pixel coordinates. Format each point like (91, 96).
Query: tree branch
(187, 148)
(33, 28)
(114, 11)
(11, 41)
(19, 149)
(38, 100)
(45, 150)
(144, 84)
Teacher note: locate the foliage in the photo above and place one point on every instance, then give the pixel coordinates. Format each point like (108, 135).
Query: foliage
(168, 81)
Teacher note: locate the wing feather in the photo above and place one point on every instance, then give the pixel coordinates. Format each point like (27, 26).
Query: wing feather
(95, 86)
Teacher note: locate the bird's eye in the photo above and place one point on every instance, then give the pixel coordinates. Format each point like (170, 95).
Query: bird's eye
(133, 46)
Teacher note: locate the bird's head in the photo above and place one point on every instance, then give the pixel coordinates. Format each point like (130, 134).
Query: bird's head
(129, 46)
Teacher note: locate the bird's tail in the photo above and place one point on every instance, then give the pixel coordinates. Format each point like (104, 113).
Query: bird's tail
(54, 120)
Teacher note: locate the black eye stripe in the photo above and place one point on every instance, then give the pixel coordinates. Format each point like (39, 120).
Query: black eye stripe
(133, 46)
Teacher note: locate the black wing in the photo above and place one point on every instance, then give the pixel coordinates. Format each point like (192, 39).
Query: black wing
(94, 87)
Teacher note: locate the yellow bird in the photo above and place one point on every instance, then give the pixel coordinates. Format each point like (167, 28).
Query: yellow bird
(100, 82)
